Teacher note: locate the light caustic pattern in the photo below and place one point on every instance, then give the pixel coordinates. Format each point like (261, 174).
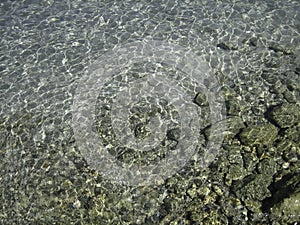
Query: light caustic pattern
(155, 94)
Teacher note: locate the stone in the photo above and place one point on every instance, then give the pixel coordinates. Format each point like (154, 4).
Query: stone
(258, 135)
(201, 99)
(226, 46)
(250, 160)
(230, 127)
(174, 134)
(290, 96)
(285, 115)
(234, 106)
(284, 205)
(267, 166)
(293, 134)
(287, 212)
(253, 188)
(236, 172)
(277, 48)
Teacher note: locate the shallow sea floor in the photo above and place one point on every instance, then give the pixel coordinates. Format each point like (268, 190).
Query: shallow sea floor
(196, 104)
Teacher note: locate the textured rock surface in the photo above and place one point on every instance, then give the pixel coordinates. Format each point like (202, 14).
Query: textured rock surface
(286, 115)
(283, 205)
(287, 212)
(259, 135)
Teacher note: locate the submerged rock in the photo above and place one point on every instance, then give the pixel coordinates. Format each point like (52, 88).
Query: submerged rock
(293, 134)
(267, 166)
(236, 172)
(253, 187)
(288, 211)
(284, 204)
(201, 99)
(258, 135)
(229, 127)
(285, 115)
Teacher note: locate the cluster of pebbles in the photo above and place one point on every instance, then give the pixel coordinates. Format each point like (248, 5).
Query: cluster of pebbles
(251, 47)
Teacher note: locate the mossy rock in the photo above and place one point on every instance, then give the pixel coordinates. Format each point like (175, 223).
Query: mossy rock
(253, 187)
(208, 214)
(258, 135)
(293, 134)
(286, 115)
(287, 211)
(287, 186)
(236, 172)
(267, 166)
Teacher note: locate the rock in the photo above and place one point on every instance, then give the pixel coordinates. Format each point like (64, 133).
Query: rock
(290, 96)
(234, 154)
(270, 77)
(277, 48)
(293, 134)
(226, 46)
(267, 166)
(142, 131)
(201, 99)
(207, 214)
(287, 212)
(285, 115)
(283, 145)
(234, 106)
(291, 155)
(253, 187)
(258, 135)
(236, 172)
(174, 134)
(230, 127)
(284, 204)
(234, 208)
(250, 160)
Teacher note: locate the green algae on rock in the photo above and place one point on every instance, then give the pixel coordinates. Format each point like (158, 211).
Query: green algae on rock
(253, 187)
(267, 166)
(287, 212)
(293, 134)
(259, 135)
(284, 204)
(285, 115)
